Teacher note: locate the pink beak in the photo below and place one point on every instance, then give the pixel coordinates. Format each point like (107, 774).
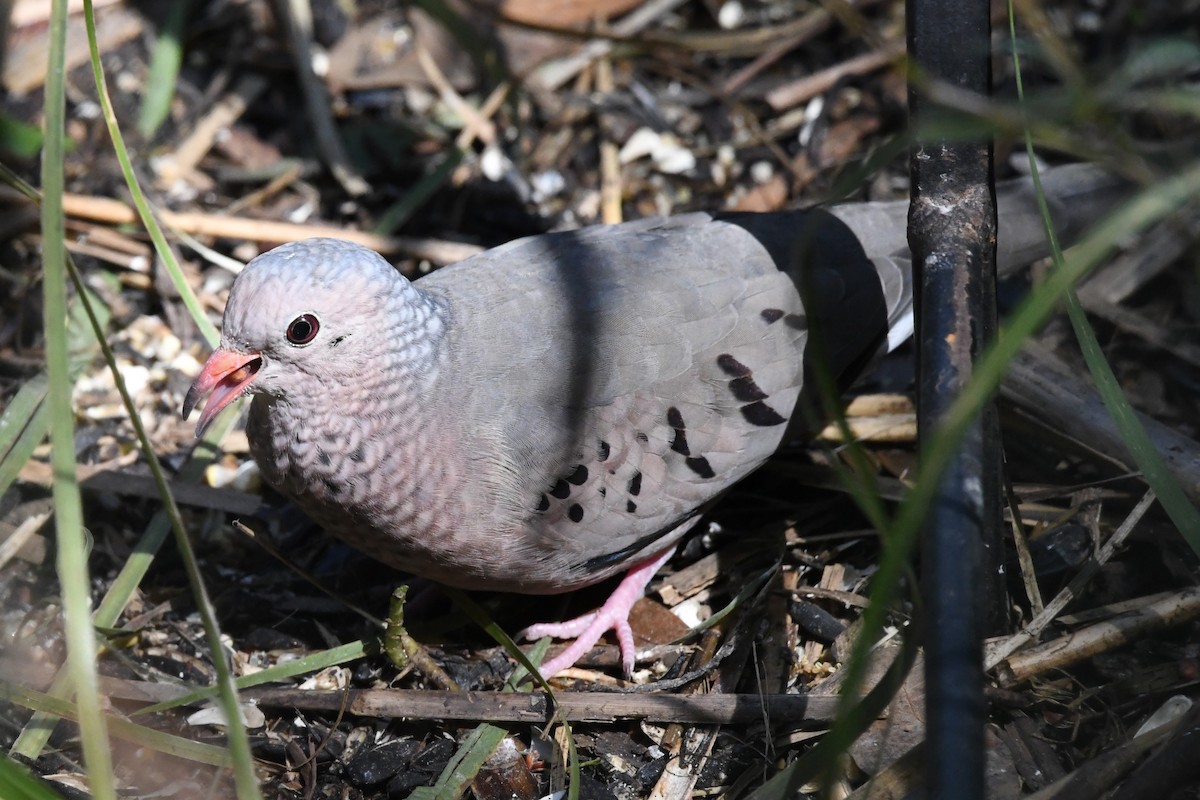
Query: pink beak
(226, 375)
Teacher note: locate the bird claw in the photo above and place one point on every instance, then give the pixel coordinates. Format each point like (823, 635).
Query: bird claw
(587, 631)
(567, 629)
(612, 616)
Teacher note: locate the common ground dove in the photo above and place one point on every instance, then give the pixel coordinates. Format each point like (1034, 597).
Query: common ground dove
(562, 408)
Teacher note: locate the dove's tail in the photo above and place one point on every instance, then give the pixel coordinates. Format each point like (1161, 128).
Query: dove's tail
(1076, 194)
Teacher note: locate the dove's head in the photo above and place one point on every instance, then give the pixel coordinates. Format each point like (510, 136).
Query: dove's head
(304, 317)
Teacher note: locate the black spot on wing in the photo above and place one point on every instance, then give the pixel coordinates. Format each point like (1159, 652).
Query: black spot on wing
(575, 513)
(358, 455)
(731, 366)
(698, 464)
(772, 314)
(642, 437)
(604, 450)
(543, 503)
(630, 506)
(579, 476)
(635, 484)
(762, 415)
(679, 439)
(561, 489)
(701, 467)
(744, 389)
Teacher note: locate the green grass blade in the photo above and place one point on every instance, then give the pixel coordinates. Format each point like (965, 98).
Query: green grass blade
(73, 577)
(853, 719)
(501, 637)
(527, 663)
(239, 743)
(1154, 469)
(25, 421)
(164, 70)
(17, 784)
(139, 561)
(1136, 215)
(416, 196)
(139, 198)
(36, 733)
(464, 765)
(17, 182)
(1184, 102)
(280, 672)
(22, 428)
(122, 729)
(899, 539)
(480, 743)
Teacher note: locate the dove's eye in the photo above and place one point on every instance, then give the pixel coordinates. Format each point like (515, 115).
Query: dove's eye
(303, 329)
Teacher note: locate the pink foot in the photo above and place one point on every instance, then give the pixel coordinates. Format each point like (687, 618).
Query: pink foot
(612, 616)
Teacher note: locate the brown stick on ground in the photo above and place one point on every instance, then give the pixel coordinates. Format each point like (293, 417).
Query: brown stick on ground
(999, 650)
(814, 23)
(531, 707)
(1137, 324)
(227, 110)
(124, 483)
(115, 212)
(1042, 389)
(1101, 637)
(807, 88)
(1094, 777)
(576, 706)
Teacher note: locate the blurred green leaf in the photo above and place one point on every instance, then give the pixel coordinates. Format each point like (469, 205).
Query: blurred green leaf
(1157, 60)
(1168, 56)
(161, 247)
(19, 138)
(164, 69)
(417, 195)
(120, 728)
(72, 558)
(24, 423)
(283, 671)
(17, 784)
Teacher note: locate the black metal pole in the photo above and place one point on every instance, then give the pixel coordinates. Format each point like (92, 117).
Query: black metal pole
(952, 233)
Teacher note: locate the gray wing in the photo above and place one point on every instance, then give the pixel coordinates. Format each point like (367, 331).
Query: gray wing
(616, 379)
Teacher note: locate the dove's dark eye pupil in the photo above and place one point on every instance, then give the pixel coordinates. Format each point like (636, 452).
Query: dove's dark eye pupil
(303, 329)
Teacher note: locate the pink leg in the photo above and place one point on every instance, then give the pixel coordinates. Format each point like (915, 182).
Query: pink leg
(613, 615)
